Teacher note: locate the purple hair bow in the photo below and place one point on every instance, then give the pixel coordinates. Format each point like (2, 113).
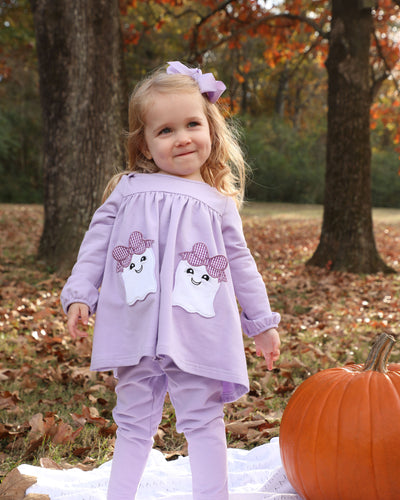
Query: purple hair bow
(207, 83)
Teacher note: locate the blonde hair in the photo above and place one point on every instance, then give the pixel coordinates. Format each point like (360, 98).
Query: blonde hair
(225, 169)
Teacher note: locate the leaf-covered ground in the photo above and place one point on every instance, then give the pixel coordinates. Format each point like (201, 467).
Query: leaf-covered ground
(55, 412)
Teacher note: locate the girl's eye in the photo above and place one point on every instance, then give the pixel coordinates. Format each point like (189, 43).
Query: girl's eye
(205, 277)
(193, 124)
(189, 270)
(143, 258)
(165, 130)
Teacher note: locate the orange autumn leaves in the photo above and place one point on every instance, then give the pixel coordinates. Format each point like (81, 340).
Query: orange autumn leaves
(49, 398)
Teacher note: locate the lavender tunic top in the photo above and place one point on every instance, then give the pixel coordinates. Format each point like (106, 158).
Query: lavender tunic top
(162, 264)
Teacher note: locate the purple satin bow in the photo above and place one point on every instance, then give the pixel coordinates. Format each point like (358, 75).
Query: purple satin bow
(207, 83)
(137, 246)
(215, 266)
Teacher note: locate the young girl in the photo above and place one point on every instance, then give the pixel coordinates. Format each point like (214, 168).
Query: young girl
(168, 251)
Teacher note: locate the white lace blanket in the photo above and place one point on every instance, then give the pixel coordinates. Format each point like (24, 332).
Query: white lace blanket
(253, 475)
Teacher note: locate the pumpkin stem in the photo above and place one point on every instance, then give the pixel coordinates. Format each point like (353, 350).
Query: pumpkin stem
(379, 354)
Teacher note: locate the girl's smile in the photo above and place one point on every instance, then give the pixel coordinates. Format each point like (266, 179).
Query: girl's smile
(177, 134)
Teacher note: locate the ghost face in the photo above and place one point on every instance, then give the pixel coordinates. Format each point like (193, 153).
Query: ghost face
(139, 277)
(195, 289)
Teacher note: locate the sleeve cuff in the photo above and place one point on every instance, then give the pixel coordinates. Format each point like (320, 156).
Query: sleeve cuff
(253, 327)
(71, 294)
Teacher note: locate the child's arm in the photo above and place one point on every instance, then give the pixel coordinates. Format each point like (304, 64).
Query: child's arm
(267, 344)
(77, 313)
(258, 321)
(87, 274)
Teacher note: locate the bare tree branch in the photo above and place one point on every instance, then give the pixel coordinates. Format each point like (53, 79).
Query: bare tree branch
(307, 20)
(241, 27)
(388, 70)
(269, 18)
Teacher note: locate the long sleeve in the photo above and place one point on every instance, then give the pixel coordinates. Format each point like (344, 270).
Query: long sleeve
(135, 317)
(87, 274)
(249, 287)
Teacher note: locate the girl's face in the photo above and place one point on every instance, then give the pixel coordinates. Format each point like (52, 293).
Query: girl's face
(177, 134)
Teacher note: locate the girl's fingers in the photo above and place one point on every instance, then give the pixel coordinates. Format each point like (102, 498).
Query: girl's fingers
(78, 313)
(269, 360)
(84, 315)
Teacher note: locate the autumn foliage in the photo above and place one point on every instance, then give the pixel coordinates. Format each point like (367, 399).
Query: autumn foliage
(53, 409)
(271, 55)
(291, 38)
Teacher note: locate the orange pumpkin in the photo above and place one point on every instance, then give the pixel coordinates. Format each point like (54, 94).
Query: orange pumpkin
(340, 432)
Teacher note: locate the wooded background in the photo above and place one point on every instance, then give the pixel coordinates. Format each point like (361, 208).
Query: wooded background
(314, 83)
(315, 87)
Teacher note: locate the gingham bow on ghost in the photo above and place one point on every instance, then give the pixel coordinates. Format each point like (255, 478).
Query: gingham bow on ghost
(215, 266)
(206, 82)
(137, 246)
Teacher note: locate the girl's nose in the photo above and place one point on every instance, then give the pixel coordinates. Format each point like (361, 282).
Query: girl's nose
(182, 139)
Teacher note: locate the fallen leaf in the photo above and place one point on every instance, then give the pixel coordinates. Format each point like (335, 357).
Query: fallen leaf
(49, 463)
(79, 452)
(158, 438)
(242, 428)
(65, 434)
(15, 484)
(36, 496)
(37, 426)
(108, 431)
(8, 400)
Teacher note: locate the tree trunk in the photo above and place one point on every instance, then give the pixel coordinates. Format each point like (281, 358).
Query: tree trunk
(281, 95)
(79, 47)
(347, 240)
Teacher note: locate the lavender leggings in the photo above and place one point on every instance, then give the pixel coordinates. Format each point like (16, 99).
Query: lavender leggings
(141, 391)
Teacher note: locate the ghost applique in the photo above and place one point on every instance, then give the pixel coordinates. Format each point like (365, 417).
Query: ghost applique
(136, 263)
(197, 280)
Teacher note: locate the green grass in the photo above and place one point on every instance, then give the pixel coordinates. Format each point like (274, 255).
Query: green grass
(295, 211)
(328, 319)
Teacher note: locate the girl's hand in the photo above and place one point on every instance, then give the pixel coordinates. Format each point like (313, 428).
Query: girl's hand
(77, 313)
(267, 344)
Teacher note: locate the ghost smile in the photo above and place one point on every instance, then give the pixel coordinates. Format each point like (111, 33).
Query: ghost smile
(139, 270)
(197, 283)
